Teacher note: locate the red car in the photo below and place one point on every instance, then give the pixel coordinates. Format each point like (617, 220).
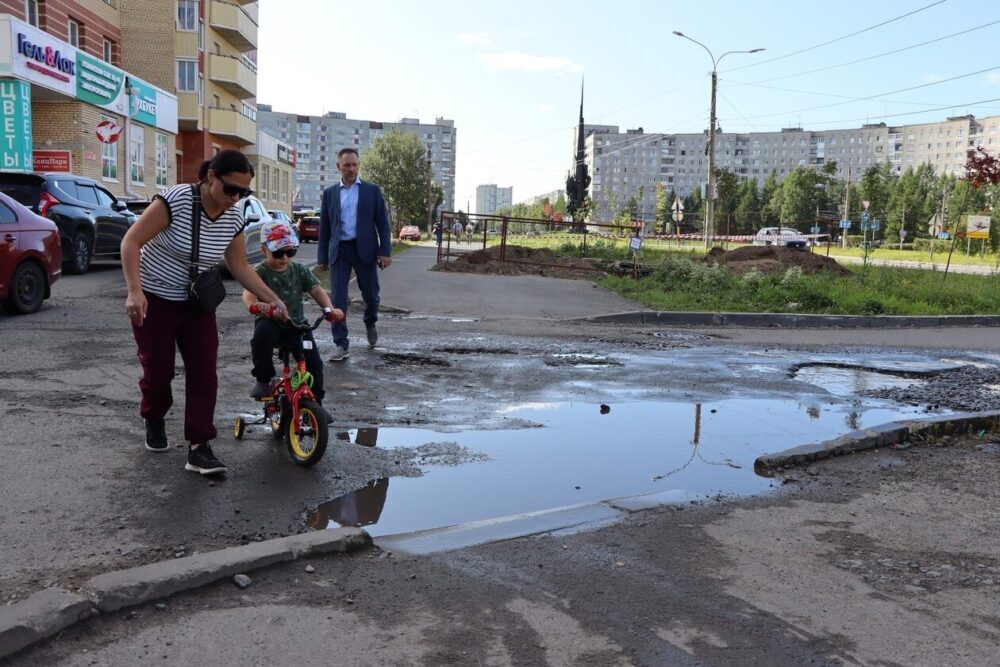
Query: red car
(308, 228)
(409, 233)
(30, 257)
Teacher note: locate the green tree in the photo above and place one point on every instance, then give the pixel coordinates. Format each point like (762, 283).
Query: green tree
(692, 211)
(662, 215)
(397, 162)
(747, 214)
(770, 201)
(727, 187)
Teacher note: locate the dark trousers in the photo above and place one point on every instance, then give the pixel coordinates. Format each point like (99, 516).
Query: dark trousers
(269, 335)
(171, 326)
(340, 275)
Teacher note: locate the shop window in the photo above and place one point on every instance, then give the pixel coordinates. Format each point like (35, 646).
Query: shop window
(136, 151)
(74, 33)
(187, 75)
(187, 15)
(109, 158)
(31, 12)
(161, 160)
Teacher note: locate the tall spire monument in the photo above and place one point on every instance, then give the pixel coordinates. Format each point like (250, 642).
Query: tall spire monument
(578, 180)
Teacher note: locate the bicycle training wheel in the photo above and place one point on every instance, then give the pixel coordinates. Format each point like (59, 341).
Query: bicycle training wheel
(239, 428)
(307, 439)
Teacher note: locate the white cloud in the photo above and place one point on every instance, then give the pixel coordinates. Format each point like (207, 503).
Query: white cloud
(546, 108)
(475, 38)
(526, 62)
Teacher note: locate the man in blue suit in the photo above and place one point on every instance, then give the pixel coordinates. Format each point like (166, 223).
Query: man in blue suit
(353, 235)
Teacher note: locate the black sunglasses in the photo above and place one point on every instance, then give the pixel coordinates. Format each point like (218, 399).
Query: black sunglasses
(285, 252)
(231, 190)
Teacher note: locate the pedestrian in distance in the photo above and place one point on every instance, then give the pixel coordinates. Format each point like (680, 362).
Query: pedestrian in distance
(157, 261)
(353, 236)
(469, 229)
(289, 280)
(457, 231)
(437, 232)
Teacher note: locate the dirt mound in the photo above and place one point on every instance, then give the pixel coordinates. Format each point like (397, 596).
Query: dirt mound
(522, 261)
(774, 259)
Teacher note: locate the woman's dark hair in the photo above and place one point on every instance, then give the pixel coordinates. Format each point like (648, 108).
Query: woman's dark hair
(226, 162)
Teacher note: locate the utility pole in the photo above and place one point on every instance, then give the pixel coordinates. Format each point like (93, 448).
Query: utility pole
(430, 195)
(847, 206)
(710, 194)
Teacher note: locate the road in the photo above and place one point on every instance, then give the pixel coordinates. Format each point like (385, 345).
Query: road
(759, 579)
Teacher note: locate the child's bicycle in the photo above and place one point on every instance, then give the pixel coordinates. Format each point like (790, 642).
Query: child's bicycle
(291, 408)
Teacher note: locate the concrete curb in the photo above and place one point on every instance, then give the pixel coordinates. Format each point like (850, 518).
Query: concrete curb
(45, 613)
(878, 436)
(790, 320)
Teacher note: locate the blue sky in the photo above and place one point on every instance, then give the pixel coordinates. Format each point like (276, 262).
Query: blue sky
(509, 73)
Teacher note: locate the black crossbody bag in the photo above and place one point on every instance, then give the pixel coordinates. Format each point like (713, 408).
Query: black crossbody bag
(206, 290)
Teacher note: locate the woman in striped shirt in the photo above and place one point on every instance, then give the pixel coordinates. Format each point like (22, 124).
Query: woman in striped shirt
(156, 258)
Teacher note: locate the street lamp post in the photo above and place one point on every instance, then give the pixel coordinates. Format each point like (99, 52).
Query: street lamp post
(710, 194)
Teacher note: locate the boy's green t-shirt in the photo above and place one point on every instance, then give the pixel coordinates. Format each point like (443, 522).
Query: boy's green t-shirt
(289, 285)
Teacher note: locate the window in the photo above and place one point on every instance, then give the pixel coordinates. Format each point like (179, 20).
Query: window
(187, 15)
(109, 159)
(6, 215)
(108, 50)
(201, 90)
(136, 151)
(31, 12)
(74, 33)
(201, 35)
(105, 198)
(161, 160)
(265, 172)
(187, 73)
(86, 194)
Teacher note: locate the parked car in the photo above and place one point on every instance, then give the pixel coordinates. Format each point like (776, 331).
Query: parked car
(786, 236)
(255, 214)
(308, 228)
(282, 216)
(91, 220)
(30, 257)
(409, 233)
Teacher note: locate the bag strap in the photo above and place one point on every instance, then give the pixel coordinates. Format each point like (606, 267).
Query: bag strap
(195, 229)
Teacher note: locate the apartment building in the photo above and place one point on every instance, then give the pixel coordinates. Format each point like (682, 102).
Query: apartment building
(621, 163)
(551, 197)
(274, 164)
(490, 198)
(317, 139)
(208, 60)
(64, 89)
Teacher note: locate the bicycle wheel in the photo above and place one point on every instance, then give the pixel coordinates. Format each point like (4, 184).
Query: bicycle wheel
(239, 428)
(307, 439)
(279, 413)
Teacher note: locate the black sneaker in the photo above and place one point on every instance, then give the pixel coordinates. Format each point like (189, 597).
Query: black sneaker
(372, 333)
(325, 413)
(156, 435)
(261, 390)
(203, 461)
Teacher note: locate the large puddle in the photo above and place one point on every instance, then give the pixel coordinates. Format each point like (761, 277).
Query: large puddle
(587, 452)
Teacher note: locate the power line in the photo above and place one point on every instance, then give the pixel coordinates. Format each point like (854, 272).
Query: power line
(879, 55)
(819, 94)
(872, 97)
(838, 39)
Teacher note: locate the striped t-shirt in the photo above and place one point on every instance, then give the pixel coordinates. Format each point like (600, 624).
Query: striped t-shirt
(164, 263)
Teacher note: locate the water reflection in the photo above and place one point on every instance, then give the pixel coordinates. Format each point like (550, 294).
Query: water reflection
(361, 507)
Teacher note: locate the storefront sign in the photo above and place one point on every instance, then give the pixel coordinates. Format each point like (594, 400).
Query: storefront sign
(144, 101)
(108, 131)
(97, 82)
(43, 60)
(49, 161)
(286, 154)
(15, 125)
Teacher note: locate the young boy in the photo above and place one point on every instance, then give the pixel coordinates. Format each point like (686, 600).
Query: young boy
(289, 280)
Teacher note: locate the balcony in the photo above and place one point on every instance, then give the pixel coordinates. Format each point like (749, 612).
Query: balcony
(188, 112)
(232, 125)
(233, 74)
(234, 23)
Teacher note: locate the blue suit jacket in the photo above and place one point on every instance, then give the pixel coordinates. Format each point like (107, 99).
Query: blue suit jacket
(374, 239)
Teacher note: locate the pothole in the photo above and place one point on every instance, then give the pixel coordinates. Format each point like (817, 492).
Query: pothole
(852, 380)
(473, 350)
(412, 360)
(683, 336)
(580, 360)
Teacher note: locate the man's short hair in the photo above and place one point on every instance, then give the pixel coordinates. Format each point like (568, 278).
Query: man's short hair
(343, 151)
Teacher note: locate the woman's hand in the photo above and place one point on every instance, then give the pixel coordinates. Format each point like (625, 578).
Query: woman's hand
(135, 307)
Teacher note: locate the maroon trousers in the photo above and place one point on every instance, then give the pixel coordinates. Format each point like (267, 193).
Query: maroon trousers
(172, 326)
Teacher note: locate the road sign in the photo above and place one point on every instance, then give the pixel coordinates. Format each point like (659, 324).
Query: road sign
(678, 205)
(864, 215)
(865, 226)
(677, 216)
(635, 243)
(845, 224)
(902, 233)
(814, 229)
(108, 131)
(876, 225)
(866, 204)
(943, 236)
(979, 226)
